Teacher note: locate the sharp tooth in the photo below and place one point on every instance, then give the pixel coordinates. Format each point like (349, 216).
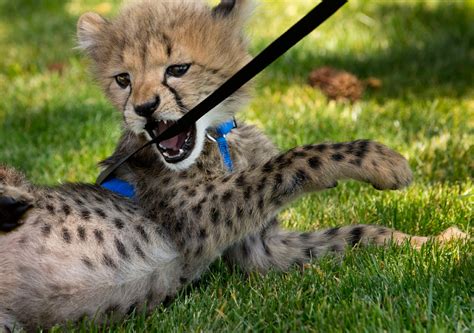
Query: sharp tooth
(181, 152)
(165, 154)
(161, 146)
(165, 121)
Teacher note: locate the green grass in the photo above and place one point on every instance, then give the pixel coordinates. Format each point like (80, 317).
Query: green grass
(57, 126)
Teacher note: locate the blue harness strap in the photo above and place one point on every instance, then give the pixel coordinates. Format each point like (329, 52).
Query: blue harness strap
(121, 187)
(222, 130)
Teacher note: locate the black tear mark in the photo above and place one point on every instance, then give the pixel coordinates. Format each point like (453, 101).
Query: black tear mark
(177, 97)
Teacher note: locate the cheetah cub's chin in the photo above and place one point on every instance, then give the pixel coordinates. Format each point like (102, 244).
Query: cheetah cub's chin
(181, 151)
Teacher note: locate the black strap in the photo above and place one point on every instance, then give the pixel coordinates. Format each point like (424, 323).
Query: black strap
(298, 31)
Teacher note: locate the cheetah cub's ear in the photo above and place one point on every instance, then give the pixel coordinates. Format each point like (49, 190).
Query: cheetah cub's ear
(238, 10)
(89, 30)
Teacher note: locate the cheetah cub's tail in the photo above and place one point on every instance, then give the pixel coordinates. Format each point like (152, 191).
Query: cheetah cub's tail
(276, 248)
(378, 235)
(15, 198)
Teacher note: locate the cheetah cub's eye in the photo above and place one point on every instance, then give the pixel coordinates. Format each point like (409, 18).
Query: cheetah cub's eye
(177, 70)
(123, 80)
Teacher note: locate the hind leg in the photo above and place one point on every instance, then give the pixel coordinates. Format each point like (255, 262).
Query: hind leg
(276, 248)
(15, 199)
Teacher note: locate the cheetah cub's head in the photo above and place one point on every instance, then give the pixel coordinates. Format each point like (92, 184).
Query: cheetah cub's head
(158, 59)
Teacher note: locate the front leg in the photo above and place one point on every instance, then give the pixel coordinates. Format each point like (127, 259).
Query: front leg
(229, 208)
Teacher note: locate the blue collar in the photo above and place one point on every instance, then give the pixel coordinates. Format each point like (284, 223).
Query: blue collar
(125, 189)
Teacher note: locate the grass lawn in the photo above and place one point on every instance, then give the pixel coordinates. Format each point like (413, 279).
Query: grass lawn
(55, 125)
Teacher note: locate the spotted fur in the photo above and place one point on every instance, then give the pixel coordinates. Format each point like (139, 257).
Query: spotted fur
(84, 251)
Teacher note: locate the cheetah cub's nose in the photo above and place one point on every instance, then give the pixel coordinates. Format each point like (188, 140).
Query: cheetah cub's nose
(146, 109)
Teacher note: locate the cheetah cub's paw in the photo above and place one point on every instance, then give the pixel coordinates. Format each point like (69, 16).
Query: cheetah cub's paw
(14, 203)
(389, 170)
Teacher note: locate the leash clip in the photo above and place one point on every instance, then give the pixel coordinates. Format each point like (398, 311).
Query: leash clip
(210, 137)
(222, 130)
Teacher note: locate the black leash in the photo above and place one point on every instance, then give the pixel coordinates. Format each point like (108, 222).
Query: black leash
(298, 31)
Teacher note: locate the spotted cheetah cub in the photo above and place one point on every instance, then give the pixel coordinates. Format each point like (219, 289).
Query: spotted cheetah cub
(82, 250)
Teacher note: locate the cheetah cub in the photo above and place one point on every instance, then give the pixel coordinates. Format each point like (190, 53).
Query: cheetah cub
(82, 250)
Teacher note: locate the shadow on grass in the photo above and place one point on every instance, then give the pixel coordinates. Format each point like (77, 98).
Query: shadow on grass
(430, 53)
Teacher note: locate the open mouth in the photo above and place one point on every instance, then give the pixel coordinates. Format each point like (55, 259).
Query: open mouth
(177, 148)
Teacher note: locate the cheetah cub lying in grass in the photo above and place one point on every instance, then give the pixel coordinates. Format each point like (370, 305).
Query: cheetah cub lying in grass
(82, 250)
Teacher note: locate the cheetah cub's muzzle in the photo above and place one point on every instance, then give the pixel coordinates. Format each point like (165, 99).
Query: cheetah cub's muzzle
(177, 148)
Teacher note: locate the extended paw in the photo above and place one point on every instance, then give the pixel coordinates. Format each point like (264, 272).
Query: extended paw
(389, 169)
(14, 203)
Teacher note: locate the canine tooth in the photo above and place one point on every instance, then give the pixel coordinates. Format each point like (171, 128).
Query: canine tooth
(181, 152)
(161, 146)
(165, 154)
(165, 121)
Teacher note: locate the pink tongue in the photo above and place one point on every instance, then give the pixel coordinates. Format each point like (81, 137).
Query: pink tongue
(172, 143)
(176, 142)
